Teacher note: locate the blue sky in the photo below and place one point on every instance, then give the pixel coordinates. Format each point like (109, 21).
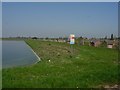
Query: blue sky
(60, 0)
(0, 20)
(59, 19)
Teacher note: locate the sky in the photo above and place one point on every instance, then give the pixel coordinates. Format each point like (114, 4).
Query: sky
(119, 19)
(60, 0)
(50, 19)
(0, 19)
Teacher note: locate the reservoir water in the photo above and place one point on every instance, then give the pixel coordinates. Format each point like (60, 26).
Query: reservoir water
(17, 53)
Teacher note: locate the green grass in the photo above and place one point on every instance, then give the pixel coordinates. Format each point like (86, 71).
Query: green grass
(79, 66)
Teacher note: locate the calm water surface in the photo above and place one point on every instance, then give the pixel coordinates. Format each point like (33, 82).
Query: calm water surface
(17, 53)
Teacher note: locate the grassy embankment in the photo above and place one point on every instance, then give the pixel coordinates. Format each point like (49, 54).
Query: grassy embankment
(85, 67)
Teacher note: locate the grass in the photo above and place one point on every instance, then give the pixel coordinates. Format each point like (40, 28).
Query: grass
(76, 67)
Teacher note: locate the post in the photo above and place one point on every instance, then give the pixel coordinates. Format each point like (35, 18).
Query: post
(72, 41)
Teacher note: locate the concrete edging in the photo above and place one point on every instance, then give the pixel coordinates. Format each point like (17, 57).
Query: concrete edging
(34, 53)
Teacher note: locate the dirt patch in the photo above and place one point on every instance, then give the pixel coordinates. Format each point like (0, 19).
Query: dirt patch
(111, 87)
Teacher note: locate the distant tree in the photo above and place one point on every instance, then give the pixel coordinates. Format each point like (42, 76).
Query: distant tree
(46, 38)
(119, 38)
(111, 37)
(105, 37)
(34, 38)
(60, 37)
(81, 37)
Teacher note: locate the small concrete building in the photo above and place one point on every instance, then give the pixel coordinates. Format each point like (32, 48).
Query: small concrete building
(110, 43)
(95, 43)
(109, 46)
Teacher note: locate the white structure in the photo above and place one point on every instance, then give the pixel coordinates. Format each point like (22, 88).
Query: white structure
(72, 39)
(109, 46)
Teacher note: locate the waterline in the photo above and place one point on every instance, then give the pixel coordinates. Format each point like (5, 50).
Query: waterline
(35, 54)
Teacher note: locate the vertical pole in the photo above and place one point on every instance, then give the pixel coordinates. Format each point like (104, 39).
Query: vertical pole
(72, 50)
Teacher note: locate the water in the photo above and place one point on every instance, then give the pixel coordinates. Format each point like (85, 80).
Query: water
(17, 53)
